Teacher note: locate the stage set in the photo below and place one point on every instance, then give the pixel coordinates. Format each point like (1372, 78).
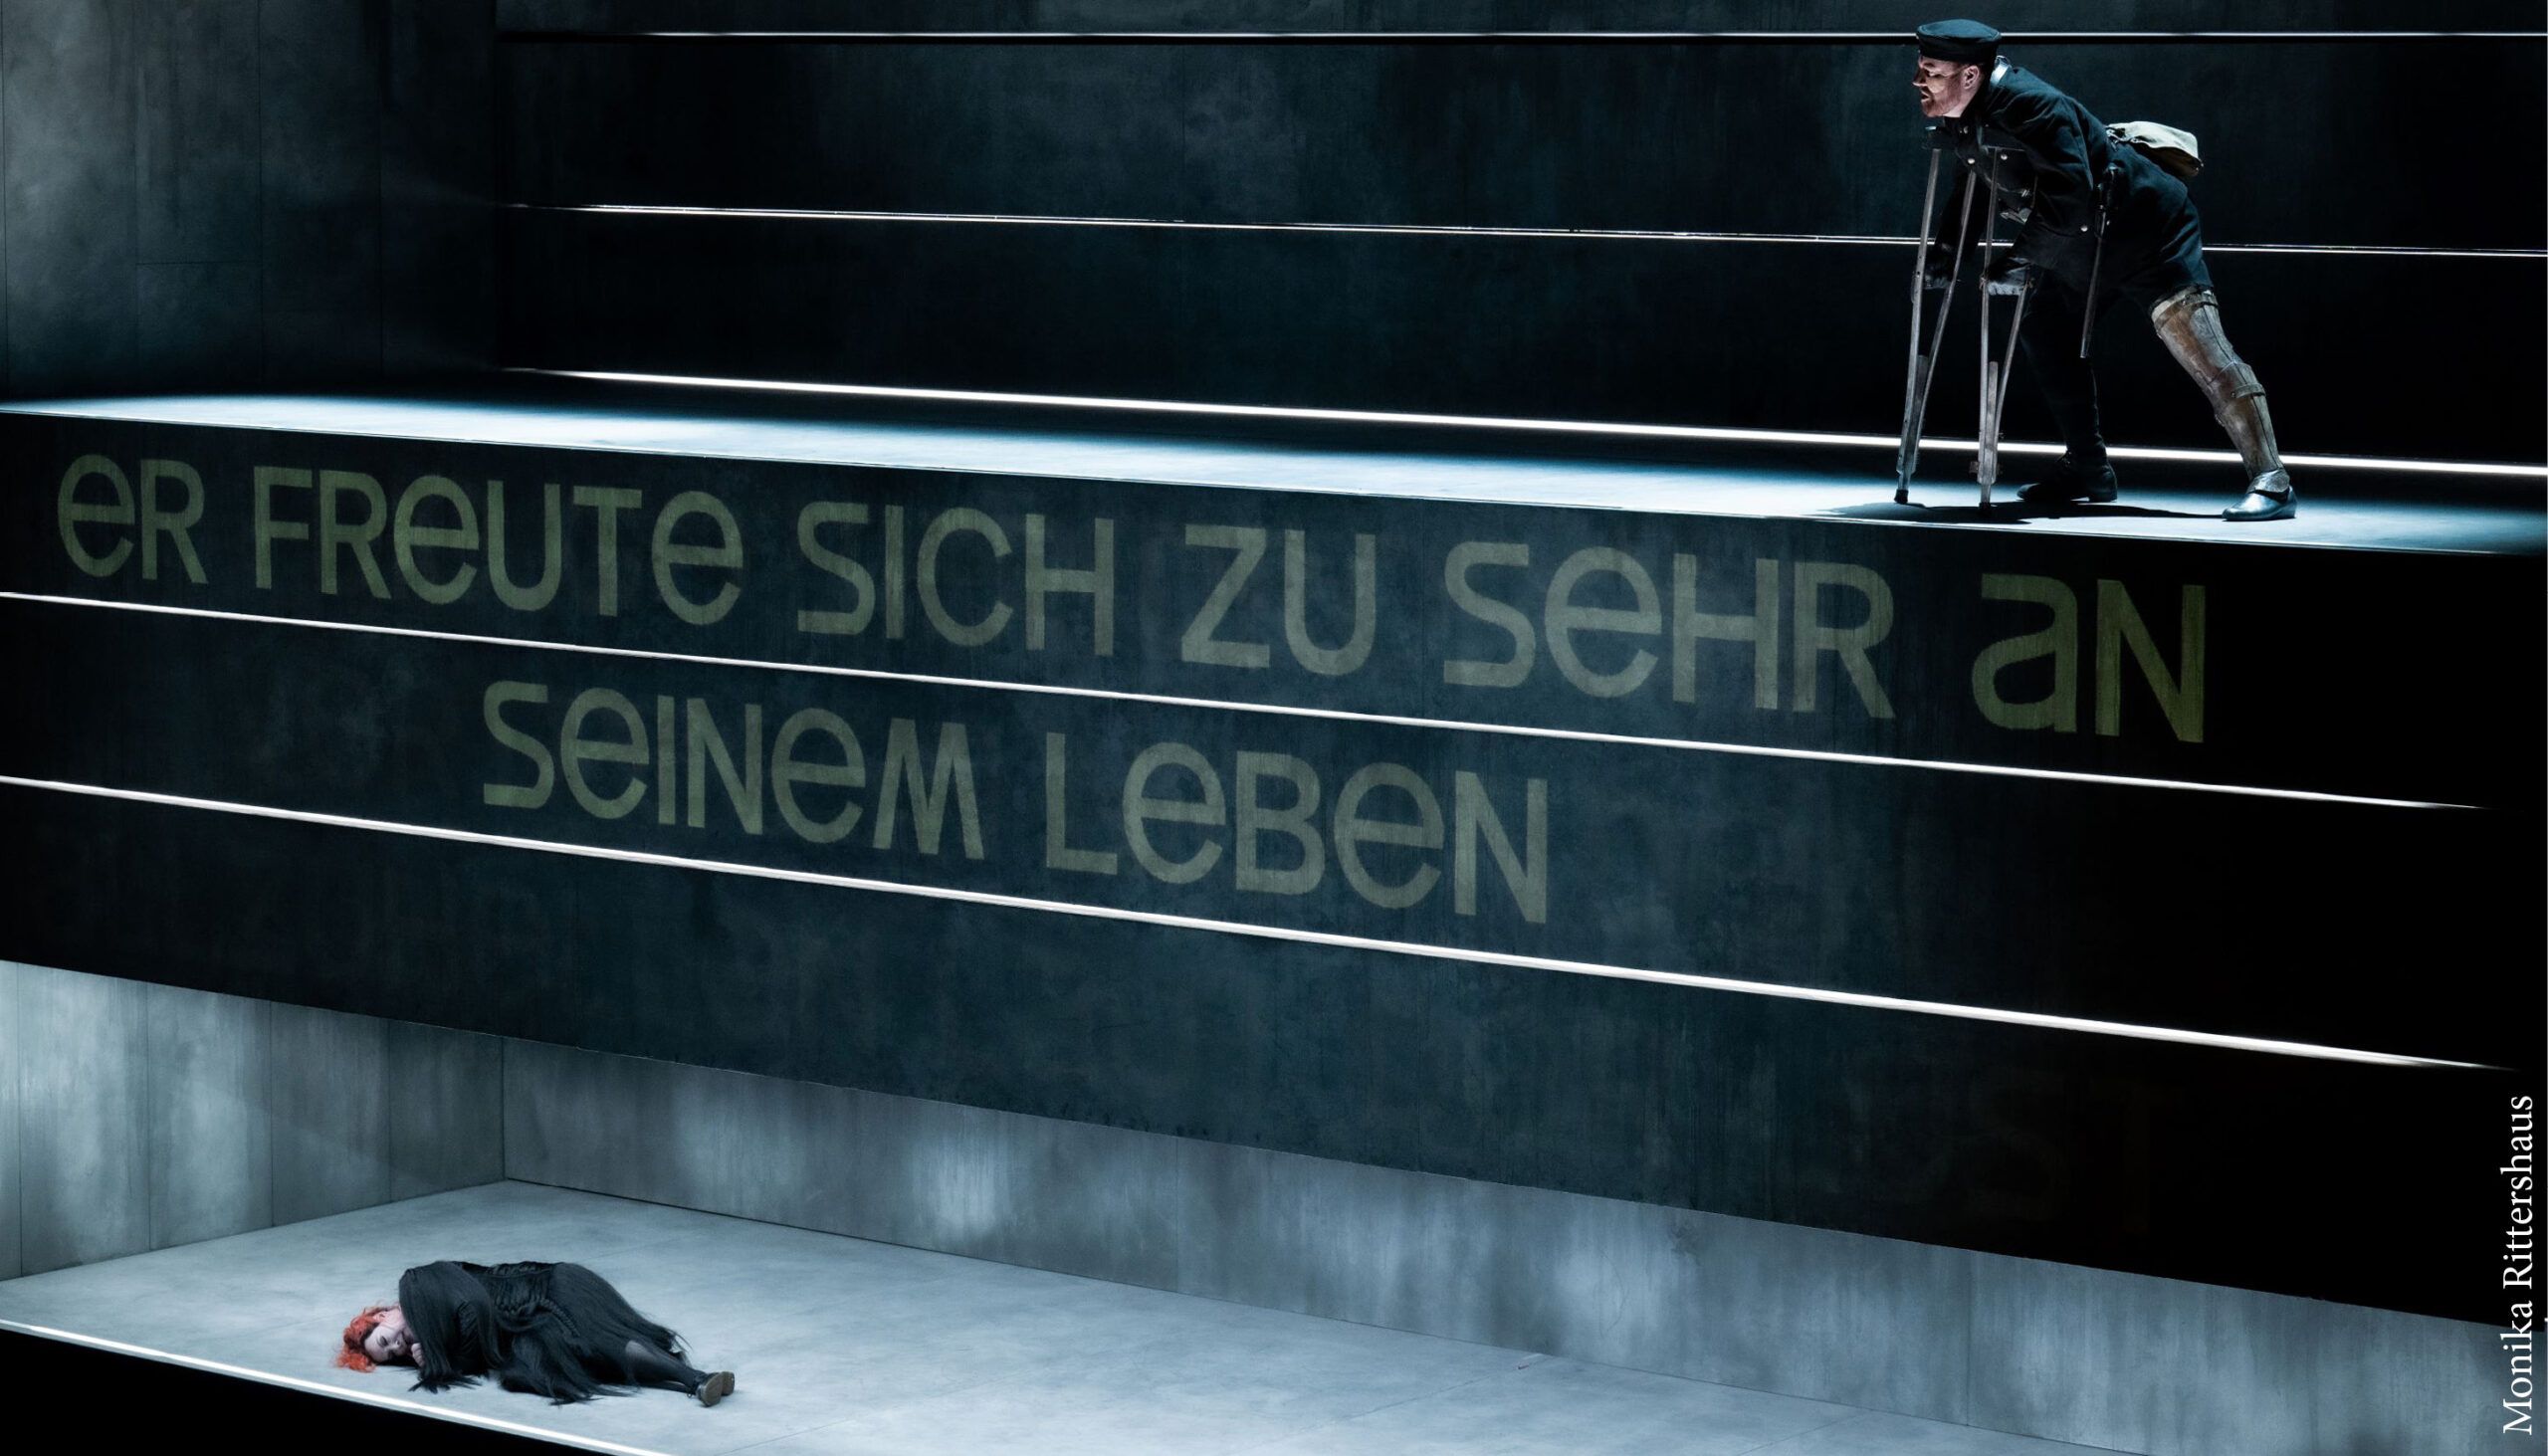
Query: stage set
(1185, 728)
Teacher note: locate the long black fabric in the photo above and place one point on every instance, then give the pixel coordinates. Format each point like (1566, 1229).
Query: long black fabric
(553, 1330)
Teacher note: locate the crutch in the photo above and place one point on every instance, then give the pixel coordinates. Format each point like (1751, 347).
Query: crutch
(1995, 368)
(1922, 366)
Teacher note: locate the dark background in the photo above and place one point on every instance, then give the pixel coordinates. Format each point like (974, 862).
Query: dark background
(231, 194)
(324, 192)
(2430, 144)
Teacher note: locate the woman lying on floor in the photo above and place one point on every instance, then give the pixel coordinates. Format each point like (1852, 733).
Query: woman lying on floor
(553, 1330)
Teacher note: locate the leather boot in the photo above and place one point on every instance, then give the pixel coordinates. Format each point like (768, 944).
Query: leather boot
(2067, 481)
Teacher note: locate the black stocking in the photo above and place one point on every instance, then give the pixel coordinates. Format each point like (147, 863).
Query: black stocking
(648, 1366)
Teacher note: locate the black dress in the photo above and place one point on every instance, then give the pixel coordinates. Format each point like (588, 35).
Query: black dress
(553, 1330)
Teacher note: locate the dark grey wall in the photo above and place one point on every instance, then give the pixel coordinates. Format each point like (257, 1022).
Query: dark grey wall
(135, 1117)
(2120, 1155)
(2315, 140)
(242, 192)
(217, 192)
(1888, 16)
(1699, 1100)
(2115, 901)
(2117, 1361)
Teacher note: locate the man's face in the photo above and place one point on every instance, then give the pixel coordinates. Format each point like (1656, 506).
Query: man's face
(1944, 88)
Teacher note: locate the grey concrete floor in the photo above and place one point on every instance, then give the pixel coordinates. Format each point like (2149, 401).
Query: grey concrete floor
(841, 1345)
(2390, 513)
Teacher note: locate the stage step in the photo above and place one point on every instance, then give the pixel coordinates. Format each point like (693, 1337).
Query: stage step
(2000, 883)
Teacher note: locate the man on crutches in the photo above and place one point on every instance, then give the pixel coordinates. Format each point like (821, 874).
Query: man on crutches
(2099, 219)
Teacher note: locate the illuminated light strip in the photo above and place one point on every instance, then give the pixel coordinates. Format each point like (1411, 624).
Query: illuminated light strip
(1492, 422)
(1417, 950)
(1499, 37)
(2369, 250)
(317, 1388)
(1431, 230)
(1278, 710)
(104, 410)
(1032, 219)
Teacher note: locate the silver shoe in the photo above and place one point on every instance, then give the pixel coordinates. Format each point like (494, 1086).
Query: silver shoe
(2269, 498)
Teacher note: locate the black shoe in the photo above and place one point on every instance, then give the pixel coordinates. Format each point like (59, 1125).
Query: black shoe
(716, 1388)
(2269, 498)
(2066, 483)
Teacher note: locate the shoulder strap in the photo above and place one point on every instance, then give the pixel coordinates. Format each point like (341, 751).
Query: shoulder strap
(2173, 148)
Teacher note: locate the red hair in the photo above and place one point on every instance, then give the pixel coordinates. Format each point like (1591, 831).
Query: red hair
(351, 1357)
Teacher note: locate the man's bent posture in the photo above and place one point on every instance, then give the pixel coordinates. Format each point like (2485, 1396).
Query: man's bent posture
(2152, 255)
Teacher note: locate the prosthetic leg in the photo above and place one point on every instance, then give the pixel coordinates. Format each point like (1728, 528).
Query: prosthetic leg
(2189, 324)
(1915, 385)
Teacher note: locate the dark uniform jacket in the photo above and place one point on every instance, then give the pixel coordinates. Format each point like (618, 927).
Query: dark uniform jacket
(2153, 240)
